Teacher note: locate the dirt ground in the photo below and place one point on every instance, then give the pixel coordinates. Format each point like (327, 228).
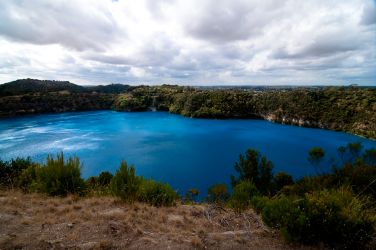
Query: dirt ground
(35, 221)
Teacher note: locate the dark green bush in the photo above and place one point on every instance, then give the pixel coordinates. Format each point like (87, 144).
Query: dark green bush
(10, 170)
(5, 175)
(335, 217)
(104, 178)
(156, 193)
(27, 179)
(218, 193)
(242, 195)
(60, 177)
(125, 183)
(92, 182)
(282, 179)
(259, 202)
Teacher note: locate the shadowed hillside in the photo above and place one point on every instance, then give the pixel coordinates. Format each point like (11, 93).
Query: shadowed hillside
(30, 86)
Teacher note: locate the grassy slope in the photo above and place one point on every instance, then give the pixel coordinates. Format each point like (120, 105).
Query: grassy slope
(38, 221)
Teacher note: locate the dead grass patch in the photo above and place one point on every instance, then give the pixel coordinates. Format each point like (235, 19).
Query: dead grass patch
(108, 223)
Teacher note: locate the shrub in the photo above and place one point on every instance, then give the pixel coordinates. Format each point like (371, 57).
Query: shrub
(282, 179)
(58, 177)
(92, 182)
(125, 183)
(19, 164)
(259, 202)
(104, 178)
(335, 217)
(156, 193)
(279, 210)
(4, 173)
(10, 170)
(27, 179)
(218, 193)
(242, 195)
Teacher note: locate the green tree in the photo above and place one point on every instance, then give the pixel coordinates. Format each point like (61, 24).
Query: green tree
(255, 168)
(125, 183)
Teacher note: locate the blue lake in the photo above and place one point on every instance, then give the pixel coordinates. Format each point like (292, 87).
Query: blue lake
(182, 151)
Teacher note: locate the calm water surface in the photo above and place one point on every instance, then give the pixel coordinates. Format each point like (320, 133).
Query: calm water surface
(182, 151)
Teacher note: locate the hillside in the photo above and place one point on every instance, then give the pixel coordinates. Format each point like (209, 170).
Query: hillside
(36, 221)
(32, 86)
(350, 109)
(27, 86)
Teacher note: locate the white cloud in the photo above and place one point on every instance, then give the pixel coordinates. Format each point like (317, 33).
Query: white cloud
(189, 42)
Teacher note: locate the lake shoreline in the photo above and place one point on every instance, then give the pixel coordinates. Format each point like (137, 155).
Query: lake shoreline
(254, 117)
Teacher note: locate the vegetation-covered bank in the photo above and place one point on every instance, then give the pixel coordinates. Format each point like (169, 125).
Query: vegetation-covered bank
(336, 209)
(349, 109)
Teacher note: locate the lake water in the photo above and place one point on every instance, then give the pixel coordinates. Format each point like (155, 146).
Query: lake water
(182, 151)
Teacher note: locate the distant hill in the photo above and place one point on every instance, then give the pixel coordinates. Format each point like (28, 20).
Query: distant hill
(112, 88)
(26, 86)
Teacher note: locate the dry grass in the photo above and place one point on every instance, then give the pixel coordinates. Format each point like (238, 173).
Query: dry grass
(35, 221)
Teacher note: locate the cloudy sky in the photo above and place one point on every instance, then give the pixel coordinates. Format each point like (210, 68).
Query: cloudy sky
(201, 42)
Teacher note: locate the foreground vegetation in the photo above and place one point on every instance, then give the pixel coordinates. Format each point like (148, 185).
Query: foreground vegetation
(337, 208)
(351, 109)
(334, 207)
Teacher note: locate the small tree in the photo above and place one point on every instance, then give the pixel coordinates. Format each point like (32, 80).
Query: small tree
(125, 183)
(315, 155)
(255, 168)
